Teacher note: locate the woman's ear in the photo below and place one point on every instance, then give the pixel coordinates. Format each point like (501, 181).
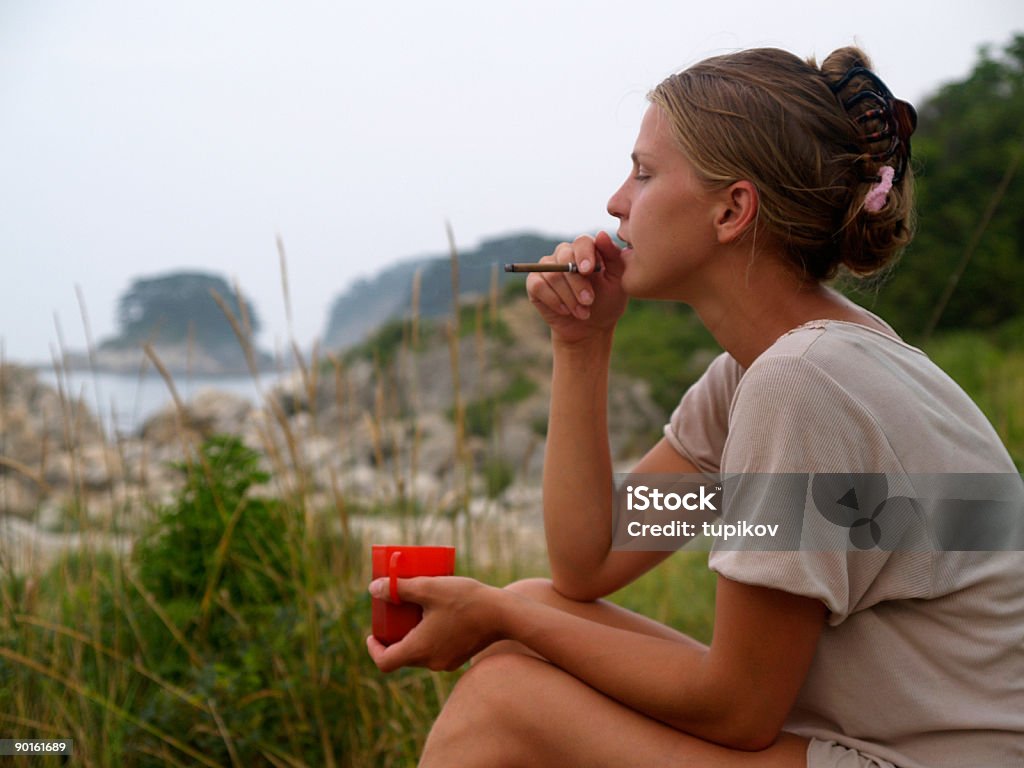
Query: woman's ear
(737, 212)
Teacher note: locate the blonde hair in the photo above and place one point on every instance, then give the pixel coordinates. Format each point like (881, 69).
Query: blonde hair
(766, 116)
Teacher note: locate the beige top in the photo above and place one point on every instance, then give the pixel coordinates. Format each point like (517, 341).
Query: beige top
(921, 662)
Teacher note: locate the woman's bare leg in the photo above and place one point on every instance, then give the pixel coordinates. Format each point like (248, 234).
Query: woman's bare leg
(516, 710)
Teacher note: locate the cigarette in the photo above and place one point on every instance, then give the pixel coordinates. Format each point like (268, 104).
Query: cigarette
(535, 267)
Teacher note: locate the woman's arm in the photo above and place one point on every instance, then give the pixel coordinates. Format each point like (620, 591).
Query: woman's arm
(578, 483)
(582, 310)
(737, 692)
(600, 571)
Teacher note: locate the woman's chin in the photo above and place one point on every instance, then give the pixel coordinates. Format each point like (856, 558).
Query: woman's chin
(634, 285)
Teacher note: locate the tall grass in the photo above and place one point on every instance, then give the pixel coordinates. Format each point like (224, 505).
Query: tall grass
(990, 367)
(233, 632)
(233, 636)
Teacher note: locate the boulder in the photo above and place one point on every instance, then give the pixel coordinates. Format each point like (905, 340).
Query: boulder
(210, 412)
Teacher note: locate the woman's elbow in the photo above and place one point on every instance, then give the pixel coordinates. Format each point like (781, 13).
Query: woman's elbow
(752, 730)
(737, 726)
(550, 591)
(754, 740)
(577, 590)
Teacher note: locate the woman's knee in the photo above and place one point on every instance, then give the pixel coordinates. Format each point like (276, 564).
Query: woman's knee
(483, 719)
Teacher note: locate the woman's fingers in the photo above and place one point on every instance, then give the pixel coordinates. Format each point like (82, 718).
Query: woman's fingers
(611, 255)
(451, 630)
(566, 285)
(543, 295)
(388, 658)
(566, 293)
(378, 652)
(583, 254)
(413, 590)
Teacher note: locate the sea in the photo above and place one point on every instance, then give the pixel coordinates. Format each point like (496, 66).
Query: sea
(124, 402)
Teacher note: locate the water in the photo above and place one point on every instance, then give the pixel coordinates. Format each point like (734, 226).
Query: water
(124, 402)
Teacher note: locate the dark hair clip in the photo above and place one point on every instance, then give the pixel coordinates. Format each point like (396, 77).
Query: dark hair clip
(899, 116)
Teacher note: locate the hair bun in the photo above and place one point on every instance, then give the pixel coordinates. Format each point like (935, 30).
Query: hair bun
(879, 224)
(883, 122)
(812, 139)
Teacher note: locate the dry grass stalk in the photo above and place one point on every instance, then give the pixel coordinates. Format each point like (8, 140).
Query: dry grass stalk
(97, 698)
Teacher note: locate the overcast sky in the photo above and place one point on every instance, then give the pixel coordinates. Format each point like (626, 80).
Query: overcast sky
(142, 137)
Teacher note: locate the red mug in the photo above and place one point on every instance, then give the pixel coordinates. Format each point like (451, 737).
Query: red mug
(393, 620)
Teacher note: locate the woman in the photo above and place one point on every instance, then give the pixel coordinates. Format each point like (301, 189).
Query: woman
(756, 176)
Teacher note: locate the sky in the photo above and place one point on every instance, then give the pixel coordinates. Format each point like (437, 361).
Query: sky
(139, 138)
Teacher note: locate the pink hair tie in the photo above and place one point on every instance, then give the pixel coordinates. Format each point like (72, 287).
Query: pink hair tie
(878, 195)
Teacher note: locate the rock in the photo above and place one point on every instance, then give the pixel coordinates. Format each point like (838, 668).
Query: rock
(36, 418)
(59, 470)
(436, 449)
(360, 481)
(634, 420)
(210, 412)
(26, 549)
(101, 466)
(50, 516)
(179, 358)
(19, 495)
(379, 435)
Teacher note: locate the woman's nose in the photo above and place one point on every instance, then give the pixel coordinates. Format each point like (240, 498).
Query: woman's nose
(617, 203)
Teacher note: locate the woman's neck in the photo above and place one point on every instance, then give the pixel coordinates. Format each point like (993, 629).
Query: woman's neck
(751, 302)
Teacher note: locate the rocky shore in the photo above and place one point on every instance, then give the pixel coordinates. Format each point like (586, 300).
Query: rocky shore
(178, 359)
(354, 437)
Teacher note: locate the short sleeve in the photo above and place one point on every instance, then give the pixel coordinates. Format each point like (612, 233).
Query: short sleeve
(789, 420)
(699, 426)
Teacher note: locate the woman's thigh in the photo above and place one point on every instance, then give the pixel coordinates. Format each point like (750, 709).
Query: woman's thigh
(515, 710)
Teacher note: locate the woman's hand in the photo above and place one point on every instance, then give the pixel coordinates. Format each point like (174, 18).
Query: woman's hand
(459, 621)
(579, 305)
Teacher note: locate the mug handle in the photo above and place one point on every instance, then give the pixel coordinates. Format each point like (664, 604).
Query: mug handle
(393, 576)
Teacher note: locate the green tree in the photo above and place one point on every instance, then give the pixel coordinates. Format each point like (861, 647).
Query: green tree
(966, 153)
(180, 305)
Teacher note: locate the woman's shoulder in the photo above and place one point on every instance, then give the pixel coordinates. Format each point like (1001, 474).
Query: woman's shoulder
(852, 355)
(821, 359)
(831, 361)
(846, 378)
(825, 338)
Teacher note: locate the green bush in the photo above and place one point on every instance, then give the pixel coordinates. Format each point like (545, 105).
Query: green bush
(664, 344)
(216, 538)
(234, 635)
(481, 416)
(990, 367)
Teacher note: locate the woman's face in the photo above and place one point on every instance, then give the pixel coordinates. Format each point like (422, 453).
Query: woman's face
(665, 214)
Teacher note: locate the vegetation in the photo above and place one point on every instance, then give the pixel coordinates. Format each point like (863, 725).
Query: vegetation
(964, 268)
(664, 344)
(990, 367)
(384, 343)
(233, 635)
(369, 303)
(482, 415)
(179, 307)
